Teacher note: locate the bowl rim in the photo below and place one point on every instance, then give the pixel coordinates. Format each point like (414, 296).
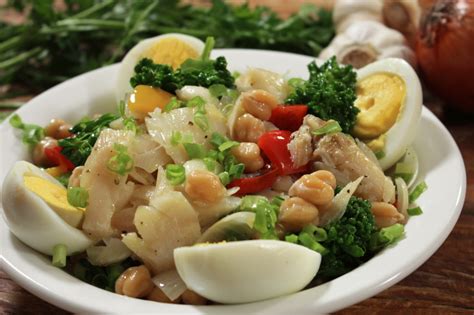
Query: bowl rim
(345, 299)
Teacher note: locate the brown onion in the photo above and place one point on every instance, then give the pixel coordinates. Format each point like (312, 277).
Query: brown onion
(445, 47)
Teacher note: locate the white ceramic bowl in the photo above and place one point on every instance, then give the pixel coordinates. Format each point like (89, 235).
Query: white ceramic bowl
(441, 166)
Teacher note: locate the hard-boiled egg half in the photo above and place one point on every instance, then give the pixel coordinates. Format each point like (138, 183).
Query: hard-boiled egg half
(389, 97)
(38, 213)
(170, 49)
(246, 271)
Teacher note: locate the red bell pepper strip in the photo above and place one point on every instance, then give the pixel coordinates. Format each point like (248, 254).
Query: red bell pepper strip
(288, 117)
(54, 155)
(254, 184)
(275, 146)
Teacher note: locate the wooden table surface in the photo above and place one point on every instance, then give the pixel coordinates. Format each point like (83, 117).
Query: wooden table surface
(443, 285)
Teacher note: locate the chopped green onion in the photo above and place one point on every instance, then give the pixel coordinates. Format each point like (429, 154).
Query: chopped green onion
(121, 163)
(331, 126)
(218, 90)
(211, 164)
(77, 197)
(414, 211)
(277, 201)
(380, 154)
(174, 103)
(121, 108)
(228, 145)
(59, 255)
(200, 119)
(176, 137)
(236, 170)
(251, 202)
(292, 238)
(195, 151)
(196, 101)
(113, 272)
(209, 45)
(260, 223)
(225, 178)
(392, 233)
(217, 139)
(32, 134)
(308, 241)
(16, 122)
(404, 170)
(128, 122)
(175, 174)
(417, 191)
(319, 234)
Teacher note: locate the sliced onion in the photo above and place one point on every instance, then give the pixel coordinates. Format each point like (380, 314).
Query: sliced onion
(338, 206)
(239, 225)
(388, 190)
(170, 283)
(114, 251)
(368, 152)
(402, 198)
(232, 191)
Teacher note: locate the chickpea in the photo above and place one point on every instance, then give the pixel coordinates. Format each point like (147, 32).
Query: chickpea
(123, 220)
(247, 128)
(39, 157)
(385, 214)
(202, 185)
(296, 213)
(75, 178)
(259, 103)
(248, 153)
(313, 189)
(134, 282)
(58, 129)
(327, 177)
(157, 295)
(192, 298)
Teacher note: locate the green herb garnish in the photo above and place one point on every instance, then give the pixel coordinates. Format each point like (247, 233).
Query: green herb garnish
(31, 134)
(417, 191)
(121, 163)
(78, 147)
(59, 255)
(176, 174)
(329, 92)
(77, 197)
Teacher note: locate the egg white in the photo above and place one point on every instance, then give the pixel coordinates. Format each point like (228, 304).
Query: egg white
(403, 132)
(246, 271)
(31, 219)
(130, 60)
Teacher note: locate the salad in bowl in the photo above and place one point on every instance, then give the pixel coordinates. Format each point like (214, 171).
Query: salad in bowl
(207, 186)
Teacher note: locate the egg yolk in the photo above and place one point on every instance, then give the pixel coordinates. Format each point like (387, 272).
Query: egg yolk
(171, 51)
(56, 197)
(380, 99)
(145, 99)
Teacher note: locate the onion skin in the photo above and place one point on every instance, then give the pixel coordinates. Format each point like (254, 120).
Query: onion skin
(444, 49)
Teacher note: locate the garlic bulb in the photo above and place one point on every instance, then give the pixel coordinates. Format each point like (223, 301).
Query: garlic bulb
(346, 12)
(401, 15)
(367, 41)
